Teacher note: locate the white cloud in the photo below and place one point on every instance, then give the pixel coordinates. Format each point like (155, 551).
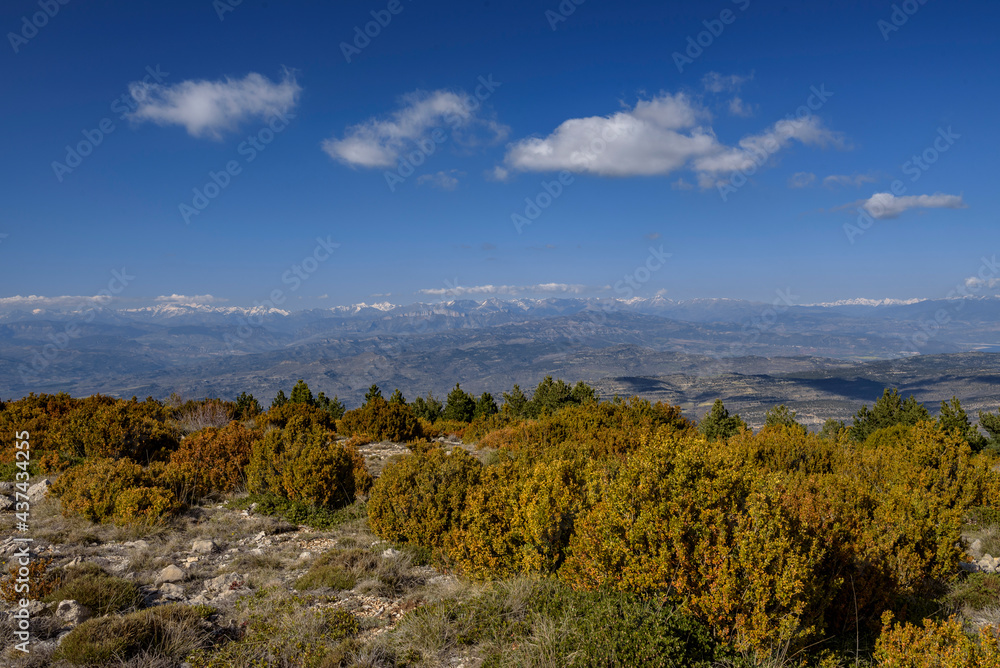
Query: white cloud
(658, 137)
(63, 301)
(737, 107)
(714, 82)
(461, 290)
(848, 180)
(886, 205)
(975, 283)
(189, 299)
(443, 180)
(380, 142)
(801, 179)
(208, 108)
(498, 173)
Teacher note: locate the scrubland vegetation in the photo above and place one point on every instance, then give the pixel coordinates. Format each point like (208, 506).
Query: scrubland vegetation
(570, 531)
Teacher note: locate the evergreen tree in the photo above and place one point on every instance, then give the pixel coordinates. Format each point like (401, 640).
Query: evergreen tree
(372, 393)
(429, 409)
(485, 406)
(334, 407)
(279, 400)
(991, 423)
(583, 393)
(515, 404)
(954, 418)
(301, 394)
(781, 416)
(397, 397)
(460, 405)
(831, 430)
(889, 410)
(246, 406)
(550, 396)
(718, 424)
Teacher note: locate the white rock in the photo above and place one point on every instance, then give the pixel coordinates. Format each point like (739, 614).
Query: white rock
(6, 504)
(39, 490)
(73, 612)
(170, 574)
(203, 547)
(391, 553)
(224, 583)
(171, 591)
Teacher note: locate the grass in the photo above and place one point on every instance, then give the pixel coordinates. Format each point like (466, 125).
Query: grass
(90, 585)
(299, 513)
(164, 632)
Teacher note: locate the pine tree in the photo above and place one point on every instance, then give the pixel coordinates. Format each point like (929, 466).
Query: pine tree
(831, 430)
(954, 419)
(334, 407)
(515, 404)
(781, 416)
(429, 409)
(397, 397)
(485, 406)
(718, 424)
(460, 405)
(372, 393)
(279, 400)
(889, 410)
(301, 394)
(246, 406)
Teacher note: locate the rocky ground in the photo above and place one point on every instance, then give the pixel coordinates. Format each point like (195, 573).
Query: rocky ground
(215, 555)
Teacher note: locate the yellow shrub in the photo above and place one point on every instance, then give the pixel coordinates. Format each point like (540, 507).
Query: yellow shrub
(694, 525)
(144, 505)
(935, 645)
(120, 491)
(419, 497)
(381, 421)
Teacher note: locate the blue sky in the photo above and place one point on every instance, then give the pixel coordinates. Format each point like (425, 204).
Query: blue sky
(724, 156)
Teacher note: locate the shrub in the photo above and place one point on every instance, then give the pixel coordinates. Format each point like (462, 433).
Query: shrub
(99, 490)
(941, 644)
(420, 497)
(170, 631)
(681, 518)
(380, 420)
(213, 460)
(301, 463)
(40, 581)
(133, 429)
(339, 569)
(90, 585)
(280, 416)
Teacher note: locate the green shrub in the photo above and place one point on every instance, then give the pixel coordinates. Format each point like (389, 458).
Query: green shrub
(302, 463)
(169, 631)
(382, 421)
(92, 586)
(339, 569)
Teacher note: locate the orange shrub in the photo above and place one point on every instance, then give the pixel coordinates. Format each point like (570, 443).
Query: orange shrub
(381, 421)
(213, 460)
(942, 644)
(105, 490)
